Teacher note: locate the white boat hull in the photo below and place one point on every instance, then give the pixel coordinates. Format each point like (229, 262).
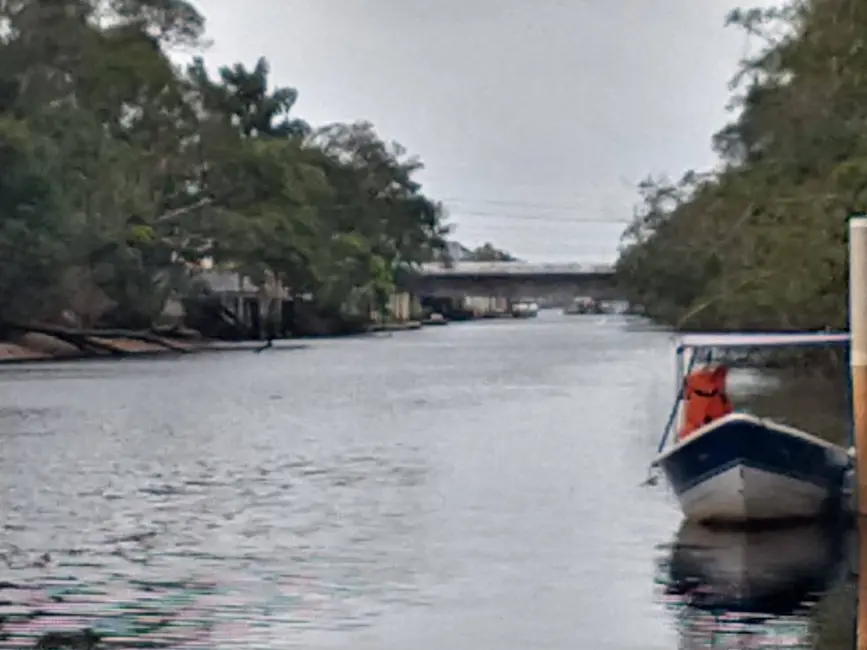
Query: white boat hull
(742, 494)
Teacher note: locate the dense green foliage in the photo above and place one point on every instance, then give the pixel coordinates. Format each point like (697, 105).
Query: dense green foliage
(760, 242)
(121, 174)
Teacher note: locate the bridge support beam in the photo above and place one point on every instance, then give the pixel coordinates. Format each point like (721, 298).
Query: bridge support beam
(561, 292)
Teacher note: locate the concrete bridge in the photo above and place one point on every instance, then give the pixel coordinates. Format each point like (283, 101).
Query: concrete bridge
(550, 283)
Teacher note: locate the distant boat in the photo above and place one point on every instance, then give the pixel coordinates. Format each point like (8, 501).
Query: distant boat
(435, 319)
(525, 310)
(583, 305)
(736, 467)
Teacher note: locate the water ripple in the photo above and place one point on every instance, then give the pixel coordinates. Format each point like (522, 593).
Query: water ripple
(457, 488)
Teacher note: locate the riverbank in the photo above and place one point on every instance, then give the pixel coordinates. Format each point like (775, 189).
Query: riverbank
(68, 345)
(36, 347)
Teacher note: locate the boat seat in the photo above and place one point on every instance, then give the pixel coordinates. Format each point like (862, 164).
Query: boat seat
(704, 399)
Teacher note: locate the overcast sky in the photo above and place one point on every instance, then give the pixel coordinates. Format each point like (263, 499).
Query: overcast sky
(530, 115)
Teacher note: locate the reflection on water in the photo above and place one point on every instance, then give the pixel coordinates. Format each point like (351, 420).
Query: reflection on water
(783, 587)
(60, 613)
(194, 567)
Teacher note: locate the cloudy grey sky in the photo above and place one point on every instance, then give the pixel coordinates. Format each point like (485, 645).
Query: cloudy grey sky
(530, 115)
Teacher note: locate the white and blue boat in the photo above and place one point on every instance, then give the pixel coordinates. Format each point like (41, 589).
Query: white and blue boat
(741, 468)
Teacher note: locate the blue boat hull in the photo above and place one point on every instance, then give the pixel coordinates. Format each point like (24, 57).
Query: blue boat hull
(740, 468)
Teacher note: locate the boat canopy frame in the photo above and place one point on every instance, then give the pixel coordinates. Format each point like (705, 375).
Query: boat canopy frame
(701, 346)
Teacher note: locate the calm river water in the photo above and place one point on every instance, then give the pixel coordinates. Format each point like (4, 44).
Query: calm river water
(466, 487)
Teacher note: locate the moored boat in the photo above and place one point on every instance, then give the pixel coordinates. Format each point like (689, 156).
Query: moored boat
(734, 467)
(525, 310)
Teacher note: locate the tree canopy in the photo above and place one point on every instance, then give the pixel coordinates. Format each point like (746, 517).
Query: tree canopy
(122, 174)
(760, 241)
(487, 252)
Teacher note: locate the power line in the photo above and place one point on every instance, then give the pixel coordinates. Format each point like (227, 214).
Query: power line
(518, 204)
(454, 203)
(540, 218)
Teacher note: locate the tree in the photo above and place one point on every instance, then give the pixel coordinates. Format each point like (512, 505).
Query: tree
(32, 231)
(488, 253)
(760, 243)
(154, 170)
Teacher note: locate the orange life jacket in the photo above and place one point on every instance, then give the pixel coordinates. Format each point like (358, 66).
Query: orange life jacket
(704, 399)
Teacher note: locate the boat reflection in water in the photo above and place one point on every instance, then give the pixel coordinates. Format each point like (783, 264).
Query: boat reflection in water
(756, 589)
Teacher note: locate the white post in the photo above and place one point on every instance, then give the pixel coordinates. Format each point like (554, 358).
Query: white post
(858, 349)
(858, 363)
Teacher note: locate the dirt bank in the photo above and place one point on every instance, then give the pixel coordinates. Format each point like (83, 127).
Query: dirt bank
(34, 346)
(57, 344)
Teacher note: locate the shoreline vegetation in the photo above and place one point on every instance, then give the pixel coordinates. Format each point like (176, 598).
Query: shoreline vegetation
(759, 242)
(131, 182)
